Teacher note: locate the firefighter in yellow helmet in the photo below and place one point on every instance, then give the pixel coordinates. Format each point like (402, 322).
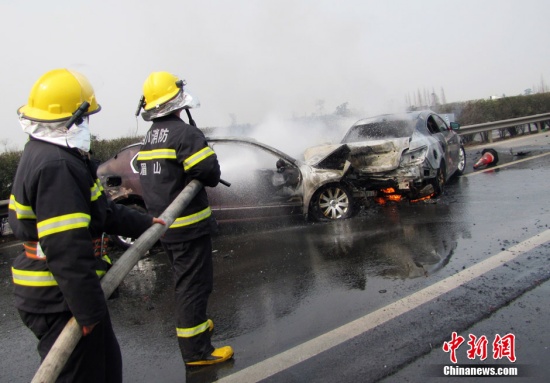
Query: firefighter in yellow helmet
(173, 154)
(58, 210)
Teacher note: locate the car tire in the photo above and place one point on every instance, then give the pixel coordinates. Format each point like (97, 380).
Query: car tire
(461, 166)
(440, 178)
(332, 202)
(121, 241)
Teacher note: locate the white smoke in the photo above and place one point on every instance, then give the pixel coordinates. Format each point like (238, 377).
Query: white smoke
(294, 136)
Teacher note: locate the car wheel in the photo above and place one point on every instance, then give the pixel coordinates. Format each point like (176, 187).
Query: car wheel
(121, 241)
(461, 162)
(439, 181)
(332, 202)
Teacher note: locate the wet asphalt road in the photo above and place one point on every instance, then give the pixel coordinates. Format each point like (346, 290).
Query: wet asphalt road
(279, 285)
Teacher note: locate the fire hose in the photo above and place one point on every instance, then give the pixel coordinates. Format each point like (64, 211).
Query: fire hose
(61, 350)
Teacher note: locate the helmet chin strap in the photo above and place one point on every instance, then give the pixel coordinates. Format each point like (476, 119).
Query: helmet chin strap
(191, 121)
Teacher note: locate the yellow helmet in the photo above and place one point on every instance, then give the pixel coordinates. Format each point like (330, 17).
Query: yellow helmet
(159, 88)
(57, 95)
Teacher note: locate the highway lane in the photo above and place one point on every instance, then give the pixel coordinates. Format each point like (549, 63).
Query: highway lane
(500, 209)
(279, 286)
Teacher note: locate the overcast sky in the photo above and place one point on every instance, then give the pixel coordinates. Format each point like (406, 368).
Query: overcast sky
(265, 61)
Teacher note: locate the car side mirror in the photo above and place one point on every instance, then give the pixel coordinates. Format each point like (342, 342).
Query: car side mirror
(113, 181)
(455, 126)
(281, 165)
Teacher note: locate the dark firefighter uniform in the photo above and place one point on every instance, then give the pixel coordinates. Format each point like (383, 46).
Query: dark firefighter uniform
(58, 209)
(173, 154)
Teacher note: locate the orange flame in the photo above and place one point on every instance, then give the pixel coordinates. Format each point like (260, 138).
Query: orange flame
(422, 199)
(388, 194)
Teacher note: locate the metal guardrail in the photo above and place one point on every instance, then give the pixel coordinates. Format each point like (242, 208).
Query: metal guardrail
(536, 119)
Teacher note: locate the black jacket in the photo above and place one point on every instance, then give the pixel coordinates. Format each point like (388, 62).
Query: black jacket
(58, 201)
(173, 154)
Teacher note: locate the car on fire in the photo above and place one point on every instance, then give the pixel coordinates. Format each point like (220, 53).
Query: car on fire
(409, 155)
(265, 183)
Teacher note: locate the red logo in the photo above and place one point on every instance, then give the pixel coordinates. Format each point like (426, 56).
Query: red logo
(504, 346)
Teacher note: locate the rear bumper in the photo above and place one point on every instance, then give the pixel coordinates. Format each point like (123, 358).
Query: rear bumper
(412, 182)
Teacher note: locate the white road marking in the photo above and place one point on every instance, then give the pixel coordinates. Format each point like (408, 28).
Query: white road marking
(504, 165)
(324, 342)
(18, 243)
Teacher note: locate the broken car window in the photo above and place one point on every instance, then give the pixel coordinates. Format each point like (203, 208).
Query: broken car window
(380, 130)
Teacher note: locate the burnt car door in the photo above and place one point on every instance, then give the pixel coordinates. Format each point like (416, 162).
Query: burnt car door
(120, 175)
(449, 140)
(264, 183)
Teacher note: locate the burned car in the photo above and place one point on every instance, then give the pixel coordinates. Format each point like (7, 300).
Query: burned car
(408, 154)
(265, 183)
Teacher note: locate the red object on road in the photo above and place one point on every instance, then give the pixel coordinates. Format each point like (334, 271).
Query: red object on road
(488, 157)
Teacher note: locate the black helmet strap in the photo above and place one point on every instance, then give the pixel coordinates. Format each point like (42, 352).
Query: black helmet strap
(77, 115)
(140, 105)
(191, 121)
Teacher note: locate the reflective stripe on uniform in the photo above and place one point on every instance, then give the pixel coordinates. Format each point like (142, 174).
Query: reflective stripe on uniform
(197, 157)
(34, 251)
(191, 219)
(33, 278)
(62, 223)
(96, 190)
(26, 212)
(21, 211)
(157, 154)
(193, 331)
(39, 278)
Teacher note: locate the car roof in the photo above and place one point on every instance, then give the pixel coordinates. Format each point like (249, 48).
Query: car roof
(412, 115)
(252, 142)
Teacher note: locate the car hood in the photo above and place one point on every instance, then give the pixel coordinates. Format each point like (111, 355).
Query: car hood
(374, 156)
